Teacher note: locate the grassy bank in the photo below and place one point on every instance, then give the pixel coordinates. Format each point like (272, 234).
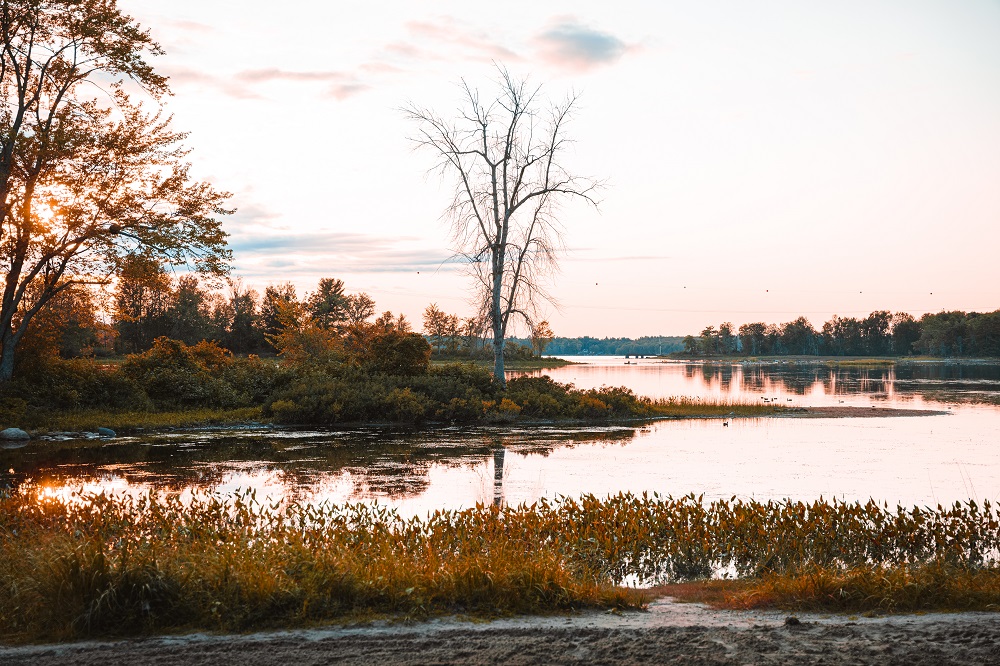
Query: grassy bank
(96, 566)
(511, 365)
(127, 421)
(174, 384)
(89, 420)
(864, 589)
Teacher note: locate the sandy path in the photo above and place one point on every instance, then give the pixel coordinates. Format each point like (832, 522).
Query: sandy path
(667, 633)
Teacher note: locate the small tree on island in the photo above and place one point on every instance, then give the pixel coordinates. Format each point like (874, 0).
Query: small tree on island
(87, 180)
(541, 336)
(505, 156)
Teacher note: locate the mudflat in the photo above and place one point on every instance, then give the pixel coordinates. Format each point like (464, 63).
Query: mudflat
(668, 632)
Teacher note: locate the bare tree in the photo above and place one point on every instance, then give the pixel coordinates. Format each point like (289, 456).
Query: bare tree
(505, 157)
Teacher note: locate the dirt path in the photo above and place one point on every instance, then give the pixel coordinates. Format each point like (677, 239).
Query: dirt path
(667, 633)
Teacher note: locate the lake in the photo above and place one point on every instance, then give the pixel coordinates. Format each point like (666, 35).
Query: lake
(922, 460)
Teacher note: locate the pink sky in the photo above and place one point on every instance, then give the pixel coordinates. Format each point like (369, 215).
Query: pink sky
(765, 160)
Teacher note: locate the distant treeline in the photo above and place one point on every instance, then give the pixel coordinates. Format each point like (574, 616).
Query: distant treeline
(586, 346)
(881, 333)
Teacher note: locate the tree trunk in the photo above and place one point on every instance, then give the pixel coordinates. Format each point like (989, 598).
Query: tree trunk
(7, 359)
(498, 330)
(498, 372)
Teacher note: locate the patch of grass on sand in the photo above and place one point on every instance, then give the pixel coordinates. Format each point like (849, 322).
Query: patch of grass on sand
(906, 588)
(682, 407)
(861, 362)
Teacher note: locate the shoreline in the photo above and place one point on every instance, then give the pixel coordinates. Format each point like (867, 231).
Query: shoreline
(667, 631)
(44, 433)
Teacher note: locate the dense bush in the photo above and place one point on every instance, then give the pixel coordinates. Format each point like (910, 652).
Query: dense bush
(386, 380)
(450, 393)
(356, 396)
(542, 397)
(75, 384)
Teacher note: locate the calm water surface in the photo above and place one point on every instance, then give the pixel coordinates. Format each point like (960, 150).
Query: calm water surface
(912, 460)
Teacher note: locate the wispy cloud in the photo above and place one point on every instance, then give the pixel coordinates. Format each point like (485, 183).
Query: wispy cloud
(345, 84)
(340, 252)
(470, 42)
(269, 75)
(185, 25)
(570, 44)
(342, 91)
(192, 77)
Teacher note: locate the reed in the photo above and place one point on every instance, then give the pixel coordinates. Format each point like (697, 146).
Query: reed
(684, 407)
(96, 565)
(861, 362)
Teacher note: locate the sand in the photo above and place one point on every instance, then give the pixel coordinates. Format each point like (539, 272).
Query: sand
(668, 632)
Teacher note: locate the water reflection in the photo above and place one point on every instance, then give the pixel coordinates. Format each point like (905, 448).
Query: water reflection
(807, 383)
(498, 454)
(362, 463)
(924, 460)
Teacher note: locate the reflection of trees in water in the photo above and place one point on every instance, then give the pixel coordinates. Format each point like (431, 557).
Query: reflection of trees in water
(378, 462)
(942, 382)
(753, 379)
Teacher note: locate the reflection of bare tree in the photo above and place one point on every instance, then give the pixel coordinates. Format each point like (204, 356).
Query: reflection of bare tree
(498, 455)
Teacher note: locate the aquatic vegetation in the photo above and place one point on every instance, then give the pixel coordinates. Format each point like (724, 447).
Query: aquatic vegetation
(860, 362)
(94, 565)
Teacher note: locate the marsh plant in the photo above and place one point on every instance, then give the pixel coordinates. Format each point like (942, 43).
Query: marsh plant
(96, 565)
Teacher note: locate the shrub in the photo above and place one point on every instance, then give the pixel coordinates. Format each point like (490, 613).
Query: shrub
(397, 353)
(405, 406)
(76, 384)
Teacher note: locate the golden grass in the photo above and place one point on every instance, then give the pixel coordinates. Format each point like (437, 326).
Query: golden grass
(862, 362)
(91, 419)
(907, 588)
(97, 565)
(683, 407)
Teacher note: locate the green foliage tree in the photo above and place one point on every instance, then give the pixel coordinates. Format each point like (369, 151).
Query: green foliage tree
(67, 328)
(506, 159)
(876, 332)
(327, 306)
(85, 180)
(443, 329)
(189, 316)
(752, 337)
(242, 321)
(142, 298)
(359, 308)
(273, 308)
(798, 337)
(541, 336)
(905, 332)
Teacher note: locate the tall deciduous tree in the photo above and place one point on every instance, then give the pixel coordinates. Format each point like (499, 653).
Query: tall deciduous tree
(142, 297)
(505, 156)
(87, 178)
(541, 336)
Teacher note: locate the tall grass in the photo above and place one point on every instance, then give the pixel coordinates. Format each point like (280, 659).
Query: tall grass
(91, 565)
(685, 407)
